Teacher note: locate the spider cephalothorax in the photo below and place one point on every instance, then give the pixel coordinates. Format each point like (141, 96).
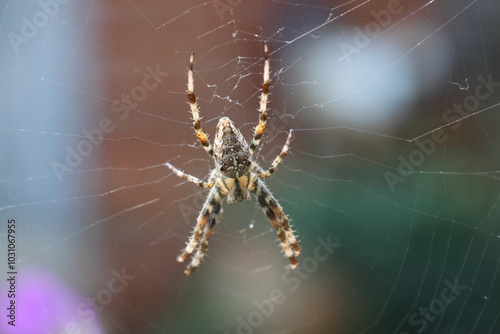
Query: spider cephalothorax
(235, 176)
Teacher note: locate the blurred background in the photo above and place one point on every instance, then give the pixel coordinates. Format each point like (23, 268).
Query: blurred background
(391, 181)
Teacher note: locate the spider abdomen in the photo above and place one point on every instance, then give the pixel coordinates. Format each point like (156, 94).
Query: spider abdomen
(231, 150)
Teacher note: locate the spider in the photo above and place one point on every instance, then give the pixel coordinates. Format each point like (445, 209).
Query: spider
(234, 175)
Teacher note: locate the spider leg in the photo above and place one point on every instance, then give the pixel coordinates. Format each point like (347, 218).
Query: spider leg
(266, 173)
(259, 130)
(202, 137)
(203, 230)
(278, 219)
(203, 245)
(193, 179)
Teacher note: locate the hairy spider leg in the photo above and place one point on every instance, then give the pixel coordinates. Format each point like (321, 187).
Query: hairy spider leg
(202, 137)
(193, 179)
(278, 219)
(279, 158)
(212, 208)
(259, 129)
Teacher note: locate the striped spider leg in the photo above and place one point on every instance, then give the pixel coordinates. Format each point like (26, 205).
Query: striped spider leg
(235, 175)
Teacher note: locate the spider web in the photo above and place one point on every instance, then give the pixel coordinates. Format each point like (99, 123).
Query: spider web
(391, 181)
